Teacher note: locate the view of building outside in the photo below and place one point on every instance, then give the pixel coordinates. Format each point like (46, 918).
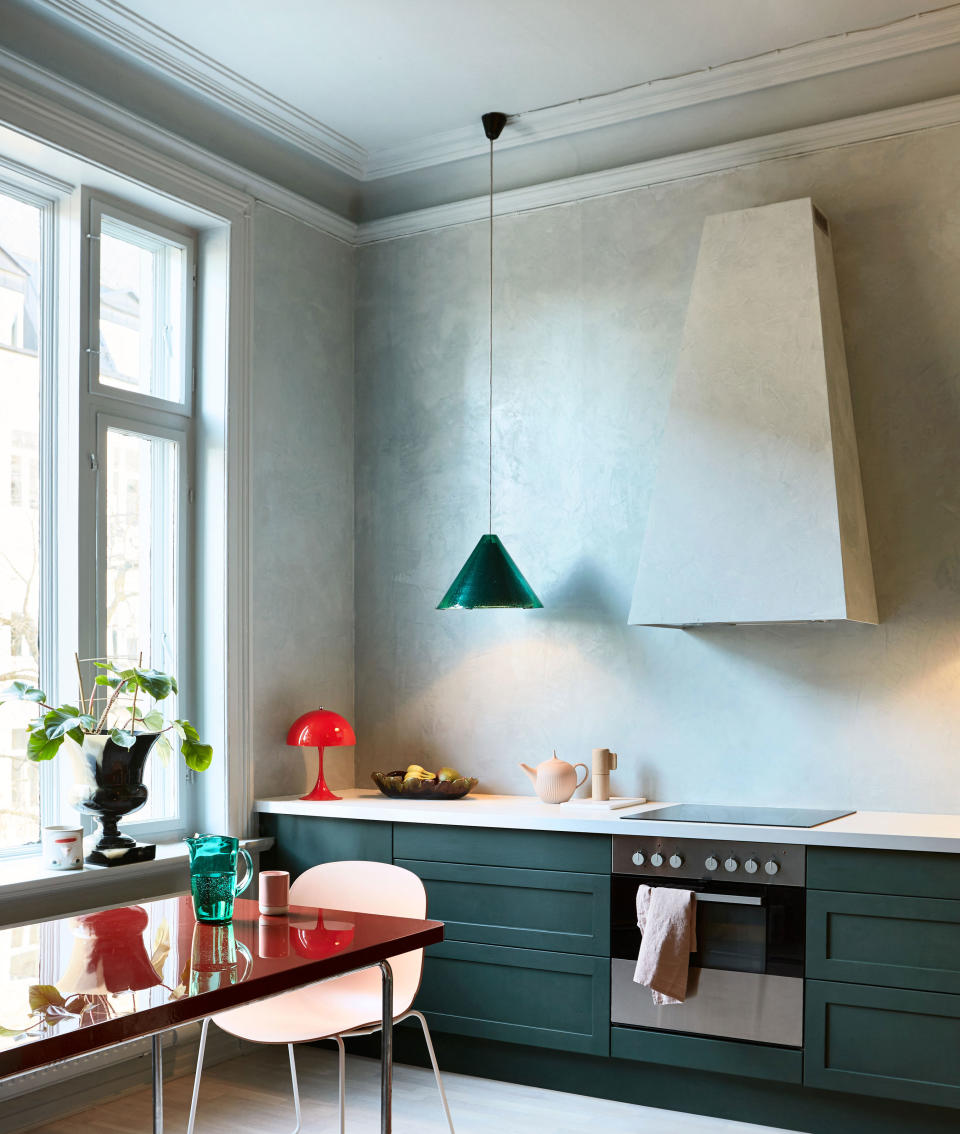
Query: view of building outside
(19, 511)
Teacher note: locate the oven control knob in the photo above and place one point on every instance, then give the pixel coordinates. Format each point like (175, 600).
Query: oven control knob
(656, 859)
(639, 858)
(772, 867)
(712, 863)
(676, 861)
(751, 866)
(730, 865)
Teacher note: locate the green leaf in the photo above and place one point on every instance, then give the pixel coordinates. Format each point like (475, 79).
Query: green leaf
(44, 996)
(22, 691)
(41, 747)
(66, 719)
(163, 748)
(186, 731)
(156, 684)
(152, 721)
(197, 756)
(122, 737)
(8, 1033)
(108, 679)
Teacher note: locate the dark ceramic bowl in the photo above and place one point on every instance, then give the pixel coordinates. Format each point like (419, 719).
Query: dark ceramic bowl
(396, 788)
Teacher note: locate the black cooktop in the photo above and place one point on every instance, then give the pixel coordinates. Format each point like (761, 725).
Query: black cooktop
(749, 816)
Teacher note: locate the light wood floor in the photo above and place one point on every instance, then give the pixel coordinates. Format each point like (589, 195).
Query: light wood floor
(251, 1095)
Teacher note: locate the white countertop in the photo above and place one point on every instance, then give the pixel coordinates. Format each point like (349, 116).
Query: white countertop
(881, 830)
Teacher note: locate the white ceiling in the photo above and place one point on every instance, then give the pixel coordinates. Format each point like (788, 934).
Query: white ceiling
(385, 72)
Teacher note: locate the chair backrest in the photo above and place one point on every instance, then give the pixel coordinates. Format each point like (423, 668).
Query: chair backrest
(376, 888)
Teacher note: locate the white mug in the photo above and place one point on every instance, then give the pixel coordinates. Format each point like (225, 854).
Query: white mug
(63, 848)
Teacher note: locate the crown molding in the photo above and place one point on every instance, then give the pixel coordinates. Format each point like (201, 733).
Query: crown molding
(150, 44)
(693, 163)
(926, 31)
(46, 106)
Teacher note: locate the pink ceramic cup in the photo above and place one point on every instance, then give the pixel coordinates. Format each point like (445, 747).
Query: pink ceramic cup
(274, 892)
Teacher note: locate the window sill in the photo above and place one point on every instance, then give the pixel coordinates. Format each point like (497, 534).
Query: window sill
(30, 889)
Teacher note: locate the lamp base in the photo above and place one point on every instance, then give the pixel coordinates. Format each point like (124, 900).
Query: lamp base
(320, 791)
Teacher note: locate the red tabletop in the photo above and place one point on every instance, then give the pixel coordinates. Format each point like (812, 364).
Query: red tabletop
(75, 984)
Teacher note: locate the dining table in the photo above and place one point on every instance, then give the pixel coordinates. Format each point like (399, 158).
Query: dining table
(74, 985)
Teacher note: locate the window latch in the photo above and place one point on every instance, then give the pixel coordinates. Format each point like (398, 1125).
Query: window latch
(94, 465)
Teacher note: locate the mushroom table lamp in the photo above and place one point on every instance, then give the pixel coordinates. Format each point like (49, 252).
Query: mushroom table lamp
(320, 727)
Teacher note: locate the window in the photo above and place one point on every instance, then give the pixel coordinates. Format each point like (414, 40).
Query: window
(21, 282)
(133, 426)
(137, 412)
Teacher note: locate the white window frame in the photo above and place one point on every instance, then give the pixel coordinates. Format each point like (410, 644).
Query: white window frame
(103, 407)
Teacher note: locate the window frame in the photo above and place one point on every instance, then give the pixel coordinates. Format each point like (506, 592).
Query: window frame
(102, 407)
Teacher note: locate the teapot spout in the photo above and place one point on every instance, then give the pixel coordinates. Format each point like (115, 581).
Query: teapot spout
(530, 772)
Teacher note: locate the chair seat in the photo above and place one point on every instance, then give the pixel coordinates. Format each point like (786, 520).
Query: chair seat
(329, 1008)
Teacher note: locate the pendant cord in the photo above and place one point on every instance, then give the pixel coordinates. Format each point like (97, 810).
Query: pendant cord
(490, 449)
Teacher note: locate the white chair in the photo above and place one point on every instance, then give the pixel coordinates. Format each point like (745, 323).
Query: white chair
(349, 1005)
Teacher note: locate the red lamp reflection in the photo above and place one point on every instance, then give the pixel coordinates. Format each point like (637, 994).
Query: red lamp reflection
(320, 728)
(328, 936)
(109, 954)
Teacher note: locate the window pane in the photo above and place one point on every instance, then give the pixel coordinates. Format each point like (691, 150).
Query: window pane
(142, 282)
(19, 511)
(141, 590)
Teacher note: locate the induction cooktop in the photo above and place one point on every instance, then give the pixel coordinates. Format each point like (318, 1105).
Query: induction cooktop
(749, 816)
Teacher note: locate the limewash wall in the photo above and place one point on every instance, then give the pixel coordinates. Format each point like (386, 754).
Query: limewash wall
(302, 630)
(590, 302)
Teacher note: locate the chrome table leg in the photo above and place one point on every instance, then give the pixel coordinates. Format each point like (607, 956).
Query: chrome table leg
(386, 1052)
(157, 1046)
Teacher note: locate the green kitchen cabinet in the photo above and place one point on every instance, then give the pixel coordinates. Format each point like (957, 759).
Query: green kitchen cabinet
(302, 841)
(885, 1042)
(708, 1053)
(520, 996)
(534, 909)
(880, 939)
(856, 870)
(485, 846)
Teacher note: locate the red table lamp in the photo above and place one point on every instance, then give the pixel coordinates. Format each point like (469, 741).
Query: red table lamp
(320, 727)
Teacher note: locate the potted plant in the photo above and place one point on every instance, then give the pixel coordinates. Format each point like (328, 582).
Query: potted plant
(110, 745)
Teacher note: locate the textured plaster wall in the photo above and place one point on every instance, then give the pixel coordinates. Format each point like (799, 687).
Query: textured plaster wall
(302, 632)
(590, 303)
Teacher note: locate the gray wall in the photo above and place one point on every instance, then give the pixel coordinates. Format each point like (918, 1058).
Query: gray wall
(302, 634)
(590, 302)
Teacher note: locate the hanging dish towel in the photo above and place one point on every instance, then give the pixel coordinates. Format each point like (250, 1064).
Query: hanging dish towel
(667, 919)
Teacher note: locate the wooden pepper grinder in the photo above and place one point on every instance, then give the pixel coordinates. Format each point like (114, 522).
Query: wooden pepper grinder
(604, 762)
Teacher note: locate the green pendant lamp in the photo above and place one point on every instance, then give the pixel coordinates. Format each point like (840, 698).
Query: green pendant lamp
(490, 578)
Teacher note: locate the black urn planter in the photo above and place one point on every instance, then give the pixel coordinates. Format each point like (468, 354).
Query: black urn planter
(110, 785)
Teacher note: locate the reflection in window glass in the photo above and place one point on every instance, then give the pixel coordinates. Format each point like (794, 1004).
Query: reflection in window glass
(142, 283)
(20, 248)
(141, 583)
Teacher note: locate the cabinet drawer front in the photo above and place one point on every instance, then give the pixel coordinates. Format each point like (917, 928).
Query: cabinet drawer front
(524, 996)
(727, 1057)
(875, 939)
(303, 841)
(530, 909)
(886, 1042)
(917, 874)
(484, 846)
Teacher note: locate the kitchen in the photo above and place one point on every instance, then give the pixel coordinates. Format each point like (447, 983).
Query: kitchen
(750, 612)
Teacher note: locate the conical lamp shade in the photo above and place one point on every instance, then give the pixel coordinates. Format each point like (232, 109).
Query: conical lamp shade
(489, 578)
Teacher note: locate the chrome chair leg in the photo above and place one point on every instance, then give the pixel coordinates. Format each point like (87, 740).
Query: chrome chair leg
(296, 1089)
(197, 1074)
(436, 1068)
(342, 1059)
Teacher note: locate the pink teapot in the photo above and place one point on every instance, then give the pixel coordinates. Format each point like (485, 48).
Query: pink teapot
(555, 780)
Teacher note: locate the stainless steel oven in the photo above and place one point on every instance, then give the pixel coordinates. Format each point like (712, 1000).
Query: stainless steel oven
(746, 977)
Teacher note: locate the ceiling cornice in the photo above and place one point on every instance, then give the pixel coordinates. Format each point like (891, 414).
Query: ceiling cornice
(924, 32)
(151, 45)
(693, 163)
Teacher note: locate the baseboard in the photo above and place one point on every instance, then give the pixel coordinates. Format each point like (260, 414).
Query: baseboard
(56, 1092)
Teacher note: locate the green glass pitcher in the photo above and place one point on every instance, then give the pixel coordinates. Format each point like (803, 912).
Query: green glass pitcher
(213, 876)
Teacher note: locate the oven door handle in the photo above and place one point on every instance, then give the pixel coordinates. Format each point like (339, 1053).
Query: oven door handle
(731, 899)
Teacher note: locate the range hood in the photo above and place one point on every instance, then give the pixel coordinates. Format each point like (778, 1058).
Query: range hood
(757, 512)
